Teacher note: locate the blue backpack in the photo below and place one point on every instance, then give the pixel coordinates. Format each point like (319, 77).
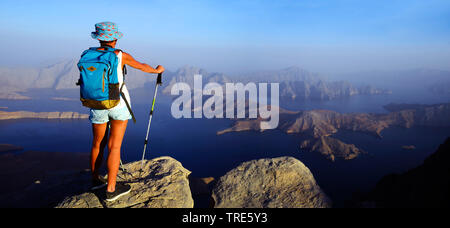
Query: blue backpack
(99, 83)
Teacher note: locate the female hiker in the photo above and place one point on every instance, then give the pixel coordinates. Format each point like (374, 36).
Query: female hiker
(107, 33)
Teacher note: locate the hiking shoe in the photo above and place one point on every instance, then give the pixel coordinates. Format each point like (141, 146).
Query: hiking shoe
(99, 183)
(121, 190)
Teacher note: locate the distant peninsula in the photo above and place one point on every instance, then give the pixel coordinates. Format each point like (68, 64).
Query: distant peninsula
(316, 127)
(11, 95)
(41, 115)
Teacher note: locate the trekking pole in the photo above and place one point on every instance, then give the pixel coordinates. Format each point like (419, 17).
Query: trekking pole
(158, 83)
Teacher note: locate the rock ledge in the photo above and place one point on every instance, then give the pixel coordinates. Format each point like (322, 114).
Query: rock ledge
(163, 183)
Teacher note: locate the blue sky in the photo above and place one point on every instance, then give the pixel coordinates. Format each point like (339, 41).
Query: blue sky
(234, 36)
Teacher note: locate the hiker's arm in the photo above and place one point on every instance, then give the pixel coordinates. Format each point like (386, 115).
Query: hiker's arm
(130, 61)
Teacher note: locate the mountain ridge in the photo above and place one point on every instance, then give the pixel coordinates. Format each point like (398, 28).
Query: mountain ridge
(295, 82)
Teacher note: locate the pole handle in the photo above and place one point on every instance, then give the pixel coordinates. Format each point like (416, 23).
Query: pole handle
(159, 79)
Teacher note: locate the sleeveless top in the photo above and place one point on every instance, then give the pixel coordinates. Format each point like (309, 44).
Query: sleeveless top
(120, 77)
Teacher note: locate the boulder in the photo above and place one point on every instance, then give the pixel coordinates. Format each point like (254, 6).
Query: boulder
(283, 182)
(163, 183)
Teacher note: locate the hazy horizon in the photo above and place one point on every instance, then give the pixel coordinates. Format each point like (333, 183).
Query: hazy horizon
(330, 37)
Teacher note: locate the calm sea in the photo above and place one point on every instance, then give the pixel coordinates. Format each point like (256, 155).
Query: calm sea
(194, 141)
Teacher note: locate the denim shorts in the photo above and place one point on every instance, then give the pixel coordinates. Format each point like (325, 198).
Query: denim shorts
(103, 116)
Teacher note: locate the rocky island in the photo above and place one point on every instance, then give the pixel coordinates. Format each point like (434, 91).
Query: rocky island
(316, 127)
(409, 147)
(332, 148)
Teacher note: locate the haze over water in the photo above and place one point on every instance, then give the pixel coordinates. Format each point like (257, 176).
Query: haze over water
(401, 45)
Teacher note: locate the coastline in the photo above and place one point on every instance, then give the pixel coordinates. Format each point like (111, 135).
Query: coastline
(41, 115)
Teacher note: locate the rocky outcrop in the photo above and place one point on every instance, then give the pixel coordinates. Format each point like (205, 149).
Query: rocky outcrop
(319, 123)
(41, 115)
(316, 127)
(424, 186)
(409, 147)
(52, 179)
(322, 124)
(332, 148)
(437, 115)
(254, 124)
(283, 182)
(163, 183)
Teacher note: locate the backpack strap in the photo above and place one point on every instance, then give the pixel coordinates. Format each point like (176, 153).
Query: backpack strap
(124, 72)
(127, 104)
(107, 49)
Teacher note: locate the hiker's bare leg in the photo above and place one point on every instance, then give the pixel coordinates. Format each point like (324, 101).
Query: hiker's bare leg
(100, 132)
(118, 128)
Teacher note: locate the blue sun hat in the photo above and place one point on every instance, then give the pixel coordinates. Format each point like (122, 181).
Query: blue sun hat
(106, 31)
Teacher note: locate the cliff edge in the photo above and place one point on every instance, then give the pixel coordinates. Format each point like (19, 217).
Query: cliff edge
(163, 183)
(426, 186)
